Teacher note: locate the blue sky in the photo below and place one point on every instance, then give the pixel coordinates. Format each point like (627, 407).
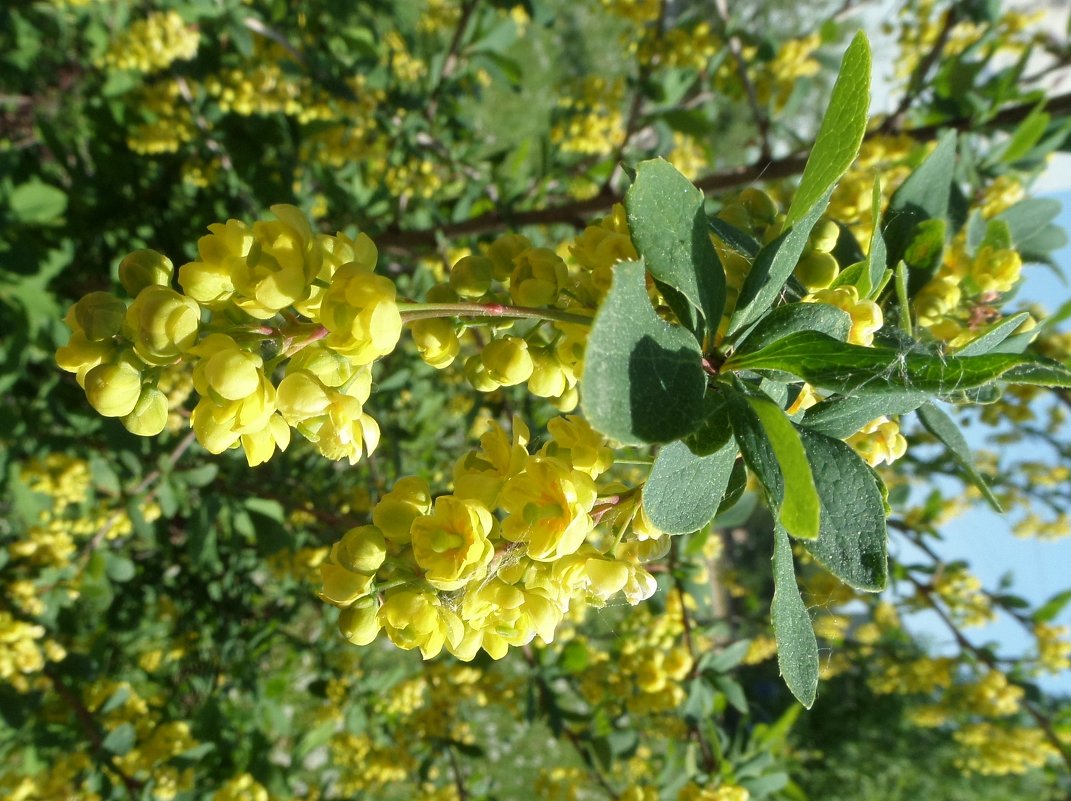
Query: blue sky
(985, 539)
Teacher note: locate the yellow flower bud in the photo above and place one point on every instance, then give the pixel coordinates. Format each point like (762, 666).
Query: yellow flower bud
(508, 361)
(162, 324)
(760, 206)
(538, 276)
(113, 389)
(360, 623)
(331, 368)
(549, 378)
(409, 498)
(99, 315)
(503, 250)
(342, 587)
(471, 276)
(223, 252)
(144, 268)
(259, 445)
(226, 371)
(817, 270)
(361, 549)
(80, 355)
(477, 375)
(436, 339)
(824, 236)
(149, 415)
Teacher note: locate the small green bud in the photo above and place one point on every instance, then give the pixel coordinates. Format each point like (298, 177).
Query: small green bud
(817, 271)
(824, 236)
(471, 276)
(113, 389)
(359, 623)
(149, 415)
(144, 268)
(100, 315)
(759, 205)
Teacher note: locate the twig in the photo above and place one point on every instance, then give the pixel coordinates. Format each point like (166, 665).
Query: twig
(987, 659)
(762, 119)
(452, 58)
(917, 82)
(92, 731)
(575, 213)
(150, 479)
(459, 778)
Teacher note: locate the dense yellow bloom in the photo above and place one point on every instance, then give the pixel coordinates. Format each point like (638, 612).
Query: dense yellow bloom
(153, 43)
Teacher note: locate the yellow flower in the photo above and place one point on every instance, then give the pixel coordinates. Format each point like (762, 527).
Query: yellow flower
(223, 253)
(409, 498)
(548, 508)
(276, 273)
(417, 619)
(360, 311)
(508, 361)
(98, 315)
(149, 415)
(436, 340)
(481, 474)
(452, 543)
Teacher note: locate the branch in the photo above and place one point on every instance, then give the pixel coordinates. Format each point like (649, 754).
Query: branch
(917, 82)
(575, 213)
(987, 659)
(758, 113)
(92, 731)
(451, 61)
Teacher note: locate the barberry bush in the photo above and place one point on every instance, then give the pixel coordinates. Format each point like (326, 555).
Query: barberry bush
(479, 400)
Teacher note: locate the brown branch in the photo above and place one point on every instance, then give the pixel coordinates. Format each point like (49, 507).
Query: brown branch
(451, 60)
(92, 731)
(917, 81)
(575, 213)
(758, 113)
(150, 479)
(459, 777)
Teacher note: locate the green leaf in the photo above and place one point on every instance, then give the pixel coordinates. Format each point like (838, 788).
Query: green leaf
(840, 133)
(1031, 226)
(1024, 138)
(797, 647)
(1052, 607)
(715, 430)
(772, 268)
(643, 378)
(119, 568)
(854, 370)
(36, 202)
(683, 491)
(734, 238)
(800, 509)
(841, 417)
(120, 739)
(672, 235)
(924, 195)
(992, 335)
(947, 432)
(793, 317)
(852, 538)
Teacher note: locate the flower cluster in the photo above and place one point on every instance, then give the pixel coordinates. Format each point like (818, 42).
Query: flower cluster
(498, 561)
(258, 295)
(153, 44)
